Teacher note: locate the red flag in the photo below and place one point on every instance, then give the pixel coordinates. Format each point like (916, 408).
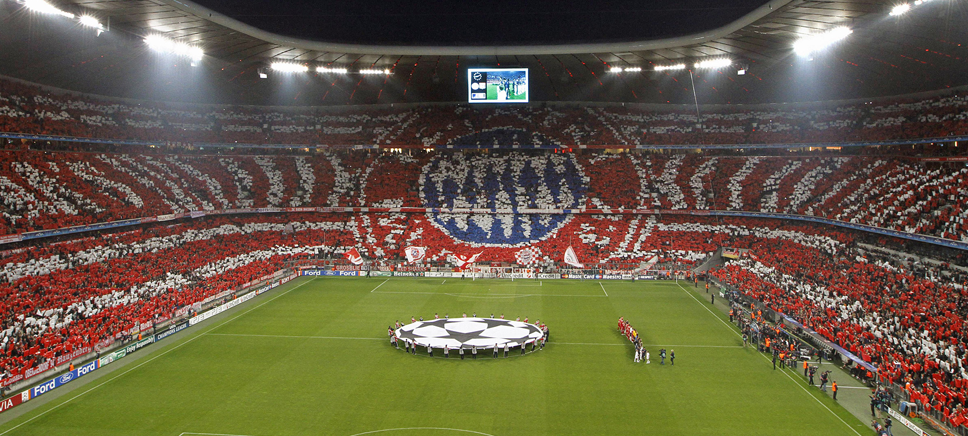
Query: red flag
(353, 255)
(463, 261)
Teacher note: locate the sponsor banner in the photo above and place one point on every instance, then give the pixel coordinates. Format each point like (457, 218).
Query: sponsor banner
(433, 274)
(906, 422)
(408, 274)
(594, 276)
(350, 273)
(648, 277)
(166, 217)
(300, 209)
(64, 358)
(196, 213)
(381, 274)
(14, 401)
(131, 348)
(171, 330)
(517, 276)
(111, 357)
(549, 276)
(268, 210)
(347, 268)
(219, 309)
(64, 379)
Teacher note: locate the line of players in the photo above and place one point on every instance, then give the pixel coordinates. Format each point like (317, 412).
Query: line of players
(641, 354)
(411, 346)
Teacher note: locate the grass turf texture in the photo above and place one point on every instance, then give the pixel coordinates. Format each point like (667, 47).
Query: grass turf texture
(312, 358)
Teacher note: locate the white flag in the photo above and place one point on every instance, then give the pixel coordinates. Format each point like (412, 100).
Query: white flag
(415, 253)
(571, 258)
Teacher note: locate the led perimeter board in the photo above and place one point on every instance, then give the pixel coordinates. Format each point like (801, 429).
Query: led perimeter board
(497, 85)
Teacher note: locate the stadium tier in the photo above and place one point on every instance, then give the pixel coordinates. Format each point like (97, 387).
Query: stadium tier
(28, 109)
(50, 190)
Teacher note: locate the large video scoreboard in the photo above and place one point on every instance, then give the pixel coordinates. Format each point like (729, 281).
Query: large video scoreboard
(497, 85)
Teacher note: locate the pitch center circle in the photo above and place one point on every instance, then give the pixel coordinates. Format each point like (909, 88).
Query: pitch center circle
(480, 333)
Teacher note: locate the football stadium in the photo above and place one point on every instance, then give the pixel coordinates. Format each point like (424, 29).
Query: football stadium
(247, 218)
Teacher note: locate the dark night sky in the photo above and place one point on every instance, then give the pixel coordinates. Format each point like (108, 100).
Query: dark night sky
(494, 22)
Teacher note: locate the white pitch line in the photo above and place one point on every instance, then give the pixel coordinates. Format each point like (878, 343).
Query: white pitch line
(422, 428)
(603, 288)
(730, 327)
(149, 360)
(489, 295)
(381, 284)
(210, 434)
(445, 281)
(646, 345)
(290, 336)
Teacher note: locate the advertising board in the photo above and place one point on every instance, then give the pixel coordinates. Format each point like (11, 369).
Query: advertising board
(64, 379)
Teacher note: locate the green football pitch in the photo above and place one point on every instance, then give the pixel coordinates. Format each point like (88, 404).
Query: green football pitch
(312, 358)
(492, 91)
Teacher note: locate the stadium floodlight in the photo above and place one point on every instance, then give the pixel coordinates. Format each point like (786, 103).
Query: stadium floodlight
(331, 70)
(633, 69)
(165, 45)
(900, 9)
(712, 64)
(46, 8)
(615, 70)
(373, 71)
(288, 67)
(90, 21)
(670, 67)
(809, 44)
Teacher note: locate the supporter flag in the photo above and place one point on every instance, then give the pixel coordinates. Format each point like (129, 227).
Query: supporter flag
(415, 253)
(353, 255)
(650, 263)
(528, 255)
(571, 258)
(463, 261)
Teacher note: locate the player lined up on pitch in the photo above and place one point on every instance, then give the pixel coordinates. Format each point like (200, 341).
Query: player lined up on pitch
(641, 354)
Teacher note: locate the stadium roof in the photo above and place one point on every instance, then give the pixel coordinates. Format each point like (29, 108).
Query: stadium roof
(924, 49)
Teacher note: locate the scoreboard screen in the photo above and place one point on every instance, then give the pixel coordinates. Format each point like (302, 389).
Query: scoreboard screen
(497, 85)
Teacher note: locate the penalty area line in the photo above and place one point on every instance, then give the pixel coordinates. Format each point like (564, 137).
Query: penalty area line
(422, 428)
(57, 406)
(381, 284)
(730, 327)
(210, 434)
(603, 288)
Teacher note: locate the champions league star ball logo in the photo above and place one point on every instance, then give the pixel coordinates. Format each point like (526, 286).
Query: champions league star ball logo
(510, 182)
(482, 333)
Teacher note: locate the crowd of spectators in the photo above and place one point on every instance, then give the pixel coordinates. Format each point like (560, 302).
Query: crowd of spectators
(906, 318)
(31, 109)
